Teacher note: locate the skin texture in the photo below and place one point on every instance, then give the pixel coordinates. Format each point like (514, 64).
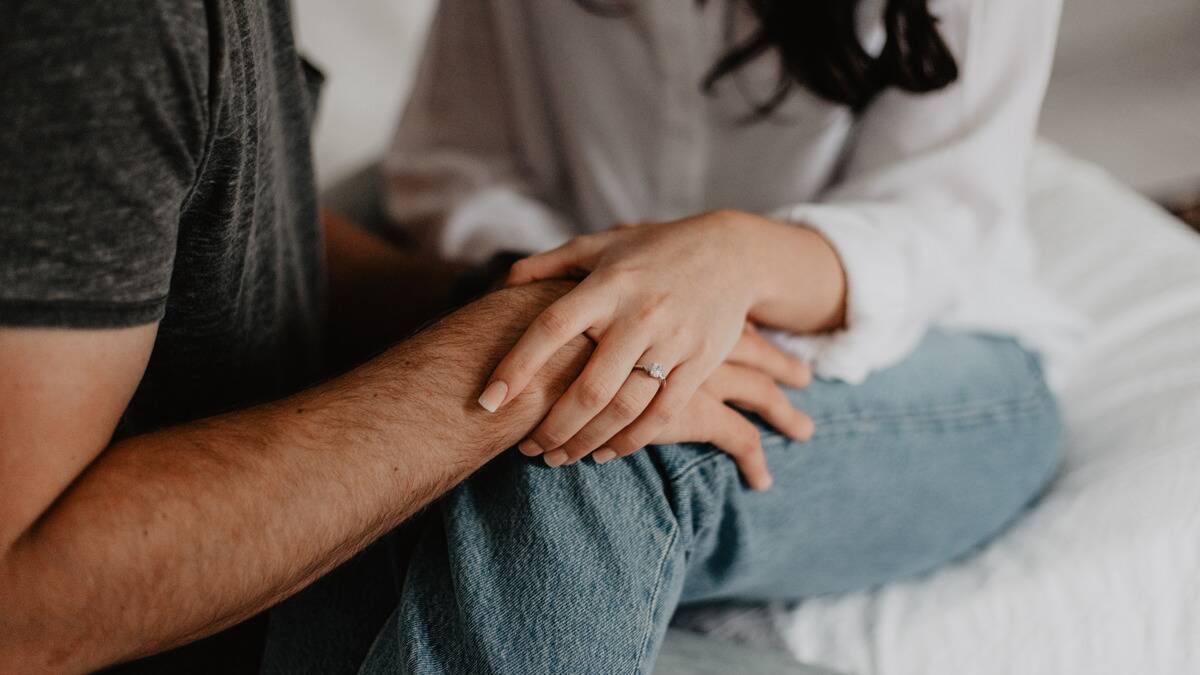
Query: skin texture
(109, 552)
(678, 294)
(233, 513)
(749, 379)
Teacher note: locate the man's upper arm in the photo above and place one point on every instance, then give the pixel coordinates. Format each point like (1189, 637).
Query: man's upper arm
(62, 393)
(102, 135)
(104, 124)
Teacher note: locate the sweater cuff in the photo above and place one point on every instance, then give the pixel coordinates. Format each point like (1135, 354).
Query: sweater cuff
(881, 328)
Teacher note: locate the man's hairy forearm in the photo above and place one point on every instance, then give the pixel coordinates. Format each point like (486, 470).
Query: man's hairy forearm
(175, 535)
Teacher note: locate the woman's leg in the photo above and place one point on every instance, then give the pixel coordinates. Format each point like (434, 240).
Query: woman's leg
(916, 467)
(535, 570)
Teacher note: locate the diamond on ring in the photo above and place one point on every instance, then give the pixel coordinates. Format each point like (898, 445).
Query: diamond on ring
(655, 370)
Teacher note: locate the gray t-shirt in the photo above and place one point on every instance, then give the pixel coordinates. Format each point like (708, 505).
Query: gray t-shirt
(155, 166)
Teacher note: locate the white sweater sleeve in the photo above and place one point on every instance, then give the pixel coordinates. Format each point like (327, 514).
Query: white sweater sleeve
(932, 185)
(471, 163)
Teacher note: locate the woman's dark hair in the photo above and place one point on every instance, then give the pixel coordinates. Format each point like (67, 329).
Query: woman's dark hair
(818, 47)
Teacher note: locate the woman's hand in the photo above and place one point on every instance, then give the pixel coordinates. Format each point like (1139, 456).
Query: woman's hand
(750, 380)
(707, 419)
(675, 294)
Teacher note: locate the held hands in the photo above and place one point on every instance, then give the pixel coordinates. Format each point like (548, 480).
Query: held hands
(676, 294)
(749, 379)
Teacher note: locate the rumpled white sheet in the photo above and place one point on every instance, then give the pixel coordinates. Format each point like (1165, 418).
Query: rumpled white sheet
(1104, 575)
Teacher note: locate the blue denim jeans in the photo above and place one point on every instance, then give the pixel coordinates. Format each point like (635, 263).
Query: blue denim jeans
(527, 569)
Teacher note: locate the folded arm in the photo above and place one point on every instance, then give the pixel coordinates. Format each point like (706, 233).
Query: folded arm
(110, 553)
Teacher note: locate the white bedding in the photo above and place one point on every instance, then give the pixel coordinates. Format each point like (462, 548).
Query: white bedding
(1104, 575)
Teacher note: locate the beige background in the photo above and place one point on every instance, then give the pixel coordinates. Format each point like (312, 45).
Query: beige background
(1125, 93)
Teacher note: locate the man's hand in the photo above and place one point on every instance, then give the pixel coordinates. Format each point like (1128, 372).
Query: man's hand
(171, 536)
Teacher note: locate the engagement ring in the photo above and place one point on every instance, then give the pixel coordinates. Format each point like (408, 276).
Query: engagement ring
(656, 370)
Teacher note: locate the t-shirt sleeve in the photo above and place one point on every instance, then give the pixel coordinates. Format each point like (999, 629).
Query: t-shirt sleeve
(102, 127)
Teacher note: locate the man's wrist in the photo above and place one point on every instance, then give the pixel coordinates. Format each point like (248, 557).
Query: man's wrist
(443, 370)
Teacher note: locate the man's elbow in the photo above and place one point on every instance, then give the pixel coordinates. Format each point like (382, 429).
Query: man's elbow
(15, 658)
(15, 637)
(27, 642)
(27, 650)
(16, 651)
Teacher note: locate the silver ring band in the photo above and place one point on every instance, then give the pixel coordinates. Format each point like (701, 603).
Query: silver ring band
(655, 370)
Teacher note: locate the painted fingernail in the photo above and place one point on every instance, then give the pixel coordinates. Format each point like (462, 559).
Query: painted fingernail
(493, 396)
(604, 456)
(555, 459)
(530, 448)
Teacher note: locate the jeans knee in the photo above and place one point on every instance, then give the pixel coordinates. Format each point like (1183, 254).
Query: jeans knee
(1039, 450)
(1021, 459)
(525, 492)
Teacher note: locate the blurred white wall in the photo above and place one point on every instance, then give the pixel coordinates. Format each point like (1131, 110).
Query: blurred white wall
(1126, 91)
(368, 49)
(1105, 30)
(1125, 94)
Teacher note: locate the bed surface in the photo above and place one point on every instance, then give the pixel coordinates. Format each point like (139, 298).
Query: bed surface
(1103, 576)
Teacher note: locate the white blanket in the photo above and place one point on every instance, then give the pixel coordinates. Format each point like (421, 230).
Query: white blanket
(1104, 575)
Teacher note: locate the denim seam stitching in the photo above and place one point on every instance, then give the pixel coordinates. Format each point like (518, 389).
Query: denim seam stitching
(950, 412)
(965, 419)
(965, 416)
(648, 626)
